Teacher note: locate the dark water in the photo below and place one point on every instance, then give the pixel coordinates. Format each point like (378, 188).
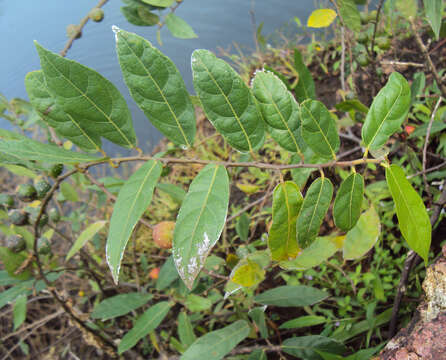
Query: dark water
(218, 23)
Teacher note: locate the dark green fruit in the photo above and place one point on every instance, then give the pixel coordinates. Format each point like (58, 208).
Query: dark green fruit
(383, 43)
(42, 187)
(363, 60)
(54, 215)
(96, 14)
(16, 243)
(43, 219)
(6, 201)
(166, 170)
(18, 217)
(43, 245)
(26, 193)
(362, 38)
(56, 170)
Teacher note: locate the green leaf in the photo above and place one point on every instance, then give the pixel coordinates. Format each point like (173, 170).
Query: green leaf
(227, 101)
(280, 110)
(12, 262)
(200, 221)
(85, 236)
(242, 227)
(133, 199)
(185, 330)
(303, 321)
(216, 344)
(33, 150)
(408, 8)
(160, 3)
(87, 96)
(19, 170)
(320, 250)
(434, 13)
(139, 16)
(77, 130)
(321, 18)
(305, 347)
(119, 305)
(412, 215)
(313, 210)
(259, 354)
(19, 311)
(157, 87)
(178, 27)
(353, 104)
(69, 192)
(305, 88)
(319, 128)
(347, 205)
(247, 273)
(350, 14)
(6, 280)
(146, 323)
(197, 303)
(258, 316)
(288, 296)
(168, 274)
(175, 192)
(387, 112)
(361, 238)
(287, 201)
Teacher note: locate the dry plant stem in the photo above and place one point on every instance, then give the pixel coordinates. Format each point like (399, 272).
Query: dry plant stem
(375, 28)
(79, 31)
(428, 58)
(343, 59)
(401, 63)
(433, 168)
(426, 142)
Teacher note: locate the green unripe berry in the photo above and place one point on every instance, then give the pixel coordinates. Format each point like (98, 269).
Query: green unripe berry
(6, 201)
(16, 243)
(54, 215)
(18, 217)
(362, 37)
(26, 193)
(383, 43)
(42, 187)
(55, 170)
(96, 14)
(363, 60)
(43, 219)
(43, 245)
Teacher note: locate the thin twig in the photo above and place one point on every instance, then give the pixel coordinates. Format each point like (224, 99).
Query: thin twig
(248, 207)
(401, 63)
(427, 171)
(343, 59)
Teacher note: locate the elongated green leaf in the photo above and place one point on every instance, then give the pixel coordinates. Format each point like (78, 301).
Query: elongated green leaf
(77, 130)
(303, 321)
(175, 192)
(287, 201)
(353, 104)
(280, 110)
(258, 316)
(200, 221)
(315, 206)
(133, 199)
(350, 14)
(185, 330)
(319, 129)
(119, 305)
(387, 112)
(19, 311)
(69, 192)
(87, 97)
(242, 227)
(33, 150)
(168, 274)
(12, 261)
(362, 236)
(179, 28)
(19, 170)
(306, 347)
(160, 3)
(227, 101)
(434, 13)
(157, 87)
(146, 323)
(139, 15)
(85, 236)
(305, 88)
(287, 296)
(412, 216)
(216, 344)
(347, 205)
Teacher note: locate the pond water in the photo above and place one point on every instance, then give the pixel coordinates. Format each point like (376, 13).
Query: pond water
(217, 23)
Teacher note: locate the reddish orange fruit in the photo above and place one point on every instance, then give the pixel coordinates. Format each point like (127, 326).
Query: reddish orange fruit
(409, 129)
(154, 273)
(163, 234)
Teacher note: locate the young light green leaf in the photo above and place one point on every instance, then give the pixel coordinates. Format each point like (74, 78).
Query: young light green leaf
(146, 323)
(247, 273)
(287, 201)
(80, 132)
(168, 274)
(387, 112)
(119, 305)
(347, 205)
(434, 14)
(185, 330)
(227, 101)
(19, 311)
(306, 347)
(157, 87)
(280, 110)
(195, 303)
(87, 96)
(321, 18)
(178, 27)
(408, 8)
(412, 215)
(288, 296)
(69, 192)
(350, 14)
(85, 236)
(19, 170)
(216, 344)
(200, 221)
(34, 150)
(353, 104)
(160, 3)
(319, 128)
(133, 199)
(303, 321)
(313, 210)
(12, 261)
(305, 88)
(361, 238)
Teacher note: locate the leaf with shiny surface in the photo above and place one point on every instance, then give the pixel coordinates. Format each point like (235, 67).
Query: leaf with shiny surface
(348, 201)
(179, 28)
(305, 88)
